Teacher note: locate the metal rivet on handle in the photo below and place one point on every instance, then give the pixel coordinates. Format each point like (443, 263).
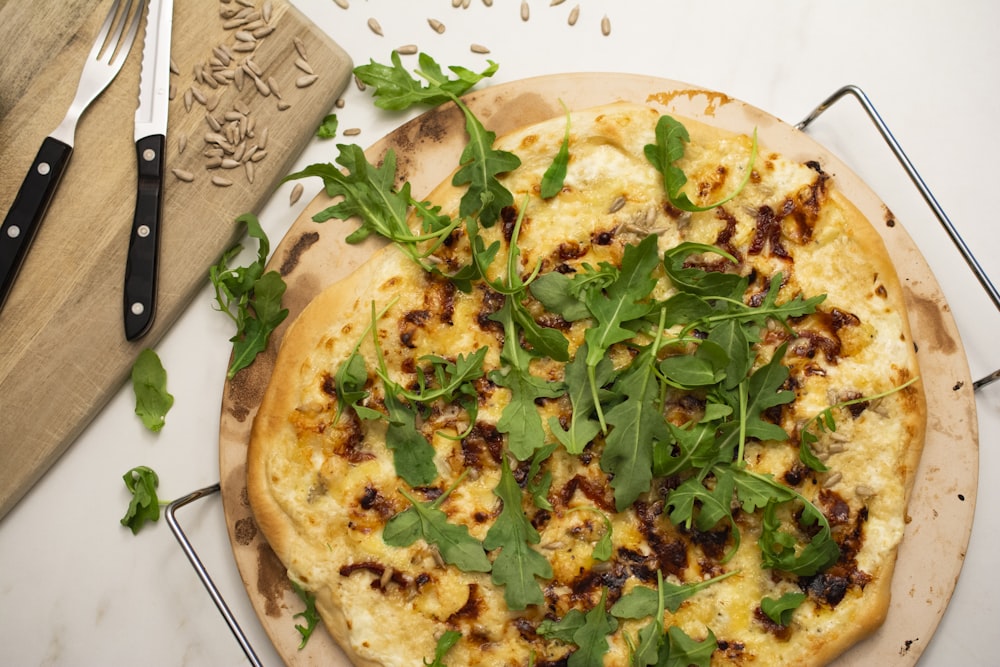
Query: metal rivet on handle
(137, 308)
(149, 155)
(13, 231)
(44, 168)
(143, 231)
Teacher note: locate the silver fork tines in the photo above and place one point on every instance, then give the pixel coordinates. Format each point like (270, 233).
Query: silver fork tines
(111, 47)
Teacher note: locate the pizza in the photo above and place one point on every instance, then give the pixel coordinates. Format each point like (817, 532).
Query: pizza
(645, 395)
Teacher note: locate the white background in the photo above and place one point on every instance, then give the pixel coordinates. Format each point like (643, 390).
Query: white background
(76, 588)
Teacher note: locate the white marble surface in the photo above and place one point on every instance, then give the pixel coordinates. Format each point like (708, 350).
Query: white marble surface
(76, 588)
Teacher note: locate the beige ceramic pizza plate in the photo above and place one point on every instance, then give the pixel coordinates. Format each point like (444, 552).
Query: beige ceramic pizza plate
(312, 256)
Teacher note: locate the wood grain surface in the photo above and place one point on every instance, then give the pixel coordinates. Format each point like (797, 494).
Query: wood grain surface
(62, 347)
(313, 256)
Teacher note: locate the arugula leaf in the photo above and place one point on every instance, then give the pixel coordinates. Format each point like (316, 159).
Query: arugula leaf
(517, 565)
(309, 614)
(425, 520)
(643, 601)
(565, 628)
(778, 548)
(671, 135)
(249, 297)
(396, 90)
(149, 383)
(480, 164)
(552, 179)
(638, 424)
(697, 281)
(144, 506)
(592, 636)
(684, 651)
(583, 428)
(328, 127)
(555, 291)
(537, 486)
(444, 643)
(764, 391)
(780, 611)
(413, 456)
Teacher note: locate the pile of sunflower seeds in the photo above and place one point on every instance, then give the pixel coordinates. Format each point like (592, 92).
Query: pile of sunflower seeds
(233, 141)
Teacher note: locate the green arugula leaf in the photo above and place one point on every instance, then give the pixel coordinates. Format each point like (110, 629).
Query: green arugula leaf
(592, 636)
(637, 425)
(444, 643)
(537, 486)
(643, 601)
(699, 282)
(671, 136)
(764, 391)
(555, 291)
(480, 164)
(412, 454)
(328, 127)
(309, 614)
(149, 383)
(565, 628)
(517, 565)
(552, 179)
(425, 520)
(780, 611)
(395, 89)
(583, 428)
(778, 548)
(249, 297)
(685, 651)
(144, 506)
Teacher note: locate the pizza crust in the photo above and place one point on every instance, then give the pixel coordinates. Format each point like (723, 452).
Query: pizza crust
(332, 324)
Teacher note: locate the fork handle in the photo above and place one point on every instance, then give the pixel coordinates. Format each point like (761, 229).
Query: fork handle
(141, 266)
(26, 213)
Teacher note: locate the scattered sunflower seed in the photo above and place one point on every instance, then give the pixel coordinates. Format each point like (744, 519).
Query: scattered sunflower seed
(173, 67)
(574, 14)
(436, 25)
(343, 4)
(407, 49)
(339, 103)
(352, 132)
(221, 182)
(265, 11)
(295, 195)
(488, 3)
(300, 46)
(182, 142)
(273, 85)
(525, 10)
(617, 204)
(248, 169)
(555, 3)
(479, 48)
(283, 105)
(605, 26)
(304, 65)
(183, 175)
(305, 80)
(375, 27)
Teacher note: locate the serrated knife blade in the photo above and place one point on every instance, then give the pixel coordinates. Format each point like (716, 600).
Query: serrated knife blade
(141, 267)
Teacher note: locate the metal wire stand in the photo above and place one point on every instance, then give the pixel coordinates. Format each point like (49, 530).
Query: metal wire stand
(904, 161)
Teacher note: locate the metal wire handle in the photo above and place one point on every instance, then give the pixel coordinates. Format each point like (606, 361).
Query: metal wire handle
(925, 192)
(210, 586)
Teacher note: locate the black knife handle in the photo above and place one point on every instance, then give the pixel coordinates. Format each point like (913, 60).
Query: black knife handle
(26, 213)
(144, 242)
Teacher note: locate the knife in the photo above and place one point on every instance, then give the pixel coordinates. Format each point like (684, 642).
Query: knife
(141, 264)
(105, 60)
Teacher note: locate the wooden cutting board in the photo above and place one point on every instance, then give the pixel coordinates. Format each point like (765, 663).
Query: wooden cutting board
(63, 350)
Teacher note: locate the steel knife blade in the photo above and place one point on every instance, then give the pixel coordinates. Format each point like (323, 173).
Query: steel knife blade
(141, 267)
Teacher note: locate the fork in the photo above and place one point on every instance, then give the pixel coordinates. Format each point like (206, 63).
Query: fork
(111, 47)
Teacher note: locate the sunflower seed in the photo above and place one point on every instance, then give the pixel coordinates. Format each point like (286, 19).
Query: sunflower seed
(263, 31)
(478, 48)
(221, 182)
(525, 10)
(240, 151)
(574, 14)
(407, 49)
(375, 27)
(617, 204)
(198, 95)
(833, 479)
(173, 67)
(214, 138)
(283, 105)
(339, 103)
(436, 25)
(171, 91)
(265, 11)
(556, 3)
(303, 65)
(182, 142)
(239, 76)
(213, 122)
(488, 3)
(305, 80)
(295, 195)
(252, 67)
(245, 47)
(249, 169)
(234, 23)
(242, 107)
(359, 83)
(258, 156)
(261, 87)
(213, 162)
(343, 4)
(456, 3)
(188, 99)
(229, 163)
(352, 132)
(605, 26)
(300, 46)
(183, 175)
(273, 85)
(262, 143)
(223, 57)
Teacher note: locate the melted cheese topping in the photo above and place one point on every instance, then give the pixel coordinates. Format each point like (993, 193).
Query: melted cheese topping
(331, 478)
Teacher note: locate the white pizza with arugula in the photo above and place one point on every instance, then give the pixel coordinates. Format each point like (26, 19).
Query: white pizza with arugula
(626, 389)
